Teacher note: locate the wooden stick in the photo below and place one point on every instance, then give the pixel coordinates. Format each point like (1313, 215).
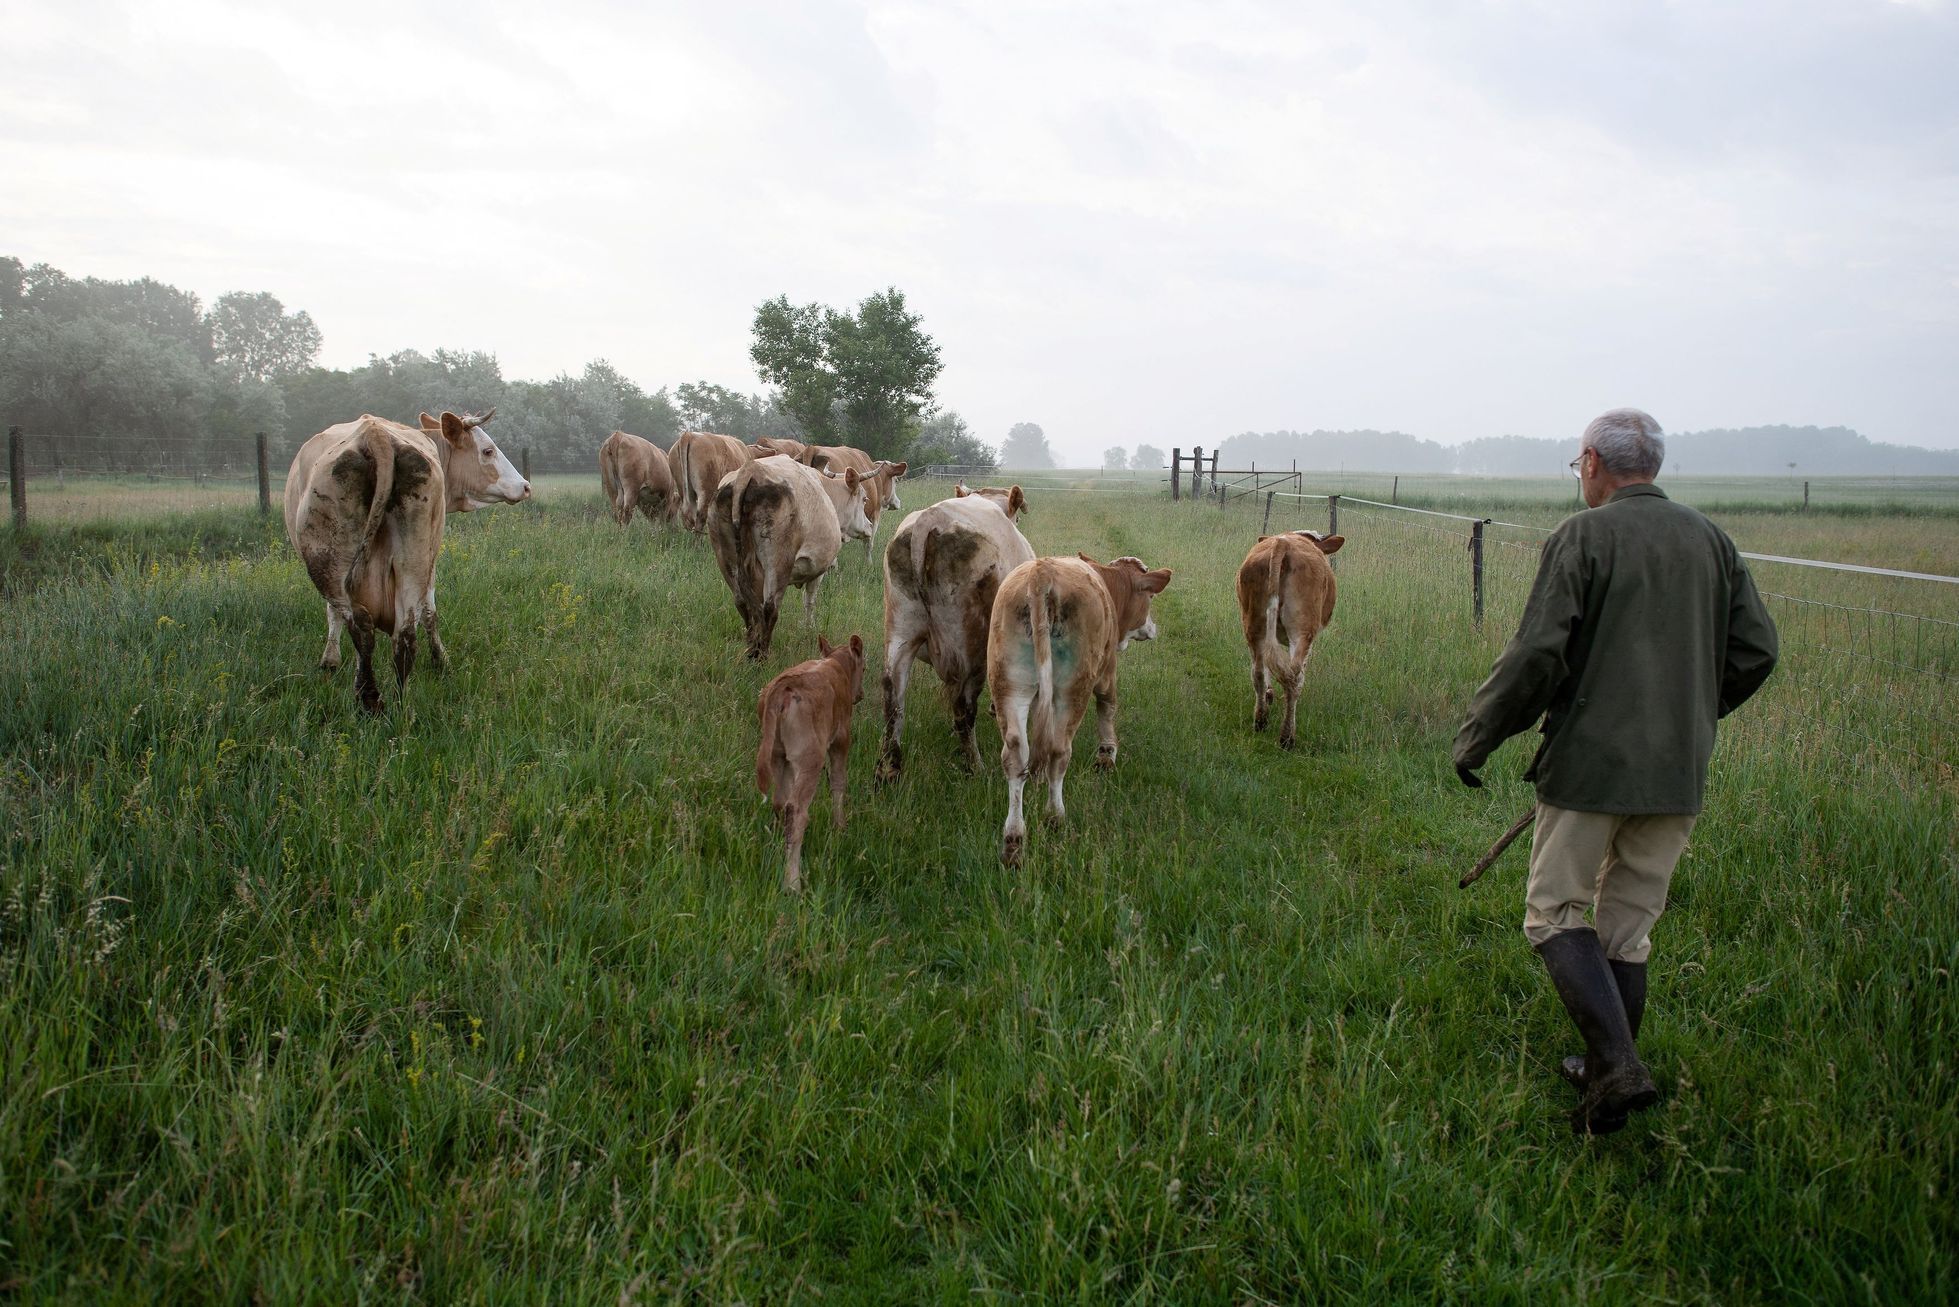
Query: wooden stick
(1496, 850)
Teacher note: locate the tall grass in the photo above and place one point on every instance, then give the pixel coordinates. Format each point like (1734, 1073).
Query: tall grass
(495, 998)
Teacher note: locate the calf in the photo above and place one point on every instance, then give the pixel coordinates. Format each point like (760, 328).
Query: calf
(1285, 595)
(1057, 626)
(365, 505)
(941, 572)
(805, 715)
(635, 474)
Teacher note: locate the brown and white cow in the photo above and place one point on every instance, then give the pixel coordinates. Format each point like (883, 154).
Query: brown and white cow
(635, 474)
(1057, 626)
(805, 715)
(941, 572)
(883, 476)
(774, 524)
(365, 505)
(698, 460)
(1285, 595)
(794, 450)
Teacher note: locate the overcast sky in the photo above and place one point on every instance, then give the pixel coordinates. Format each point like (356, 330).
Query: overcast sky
(1153, 221)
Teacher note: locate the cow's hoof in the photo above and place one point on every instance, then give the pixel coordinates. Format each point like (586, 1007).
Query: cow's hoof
(1287, 741)
(1260, 721)
(889, 764)
(1010, 849)
(1105, 758)
(371, 703)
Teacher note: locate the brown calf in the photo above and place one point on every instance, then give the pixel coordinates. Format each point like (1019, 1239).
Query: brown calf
(635, 474)
(1285, 595)
(805, 715)
(1057, 626)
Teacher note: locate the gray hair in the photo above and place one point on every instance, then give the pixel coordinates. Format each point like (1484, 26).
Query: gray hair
(1628, 442)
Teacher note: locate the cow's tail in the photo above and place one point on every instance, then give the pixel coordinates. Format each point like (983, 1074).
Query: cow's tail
(379, 448)
(1040, 598)
(1275, 584)
(921, 553)
(771, 731)
(609, 472)
(692, 509)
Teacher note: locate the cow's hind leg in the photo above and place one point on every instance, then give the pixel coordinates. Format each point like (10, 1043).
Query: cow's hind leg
(1012, 718)
(965, 713)
(438, 656)
(899, 652)
(761, 631)
(1261, 693)
(336, 623)
(407, 615)
(1291, 676)
(795, 787)
(1105, 728)
(839, 763)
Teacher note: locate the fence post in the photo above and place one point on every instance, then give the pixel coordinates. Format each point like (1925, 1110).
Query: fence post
(264, 478)
(1197, 471)
(1214, 467)
(1265, 527)
(1476, 570)
(527, 462)
(1333, 515)
(1394, 492)
(1805, 496)
(17, 475)
(1176, 458)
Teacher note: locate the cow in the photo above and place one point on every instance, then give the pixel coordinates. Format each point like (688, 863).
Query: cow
(793, 450)
(698, 461)
(774, 524)
(884, 474)
(1057, 626)
(941, 571)
(365, 505)
(635, 474)
(1285, 596)
(805, 714)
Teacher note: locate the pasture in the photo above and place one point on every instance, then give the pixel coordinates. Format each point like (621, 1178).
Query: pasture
(496, 998)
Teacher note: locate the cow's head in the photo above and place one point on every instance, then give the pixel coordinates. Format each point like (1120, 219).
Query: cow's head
(1328, 544)
(851, 656)
(887, 475)
(1011, 501)
(476, 472)
(854, 514)
(1131, 586)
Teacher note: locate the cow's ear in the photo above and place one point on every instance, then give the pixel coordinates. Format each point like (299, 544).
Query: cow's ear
(959, 491)
(897, 470)
(857, 645)
(850, 478)
(823, 647)
(1263, 539)
(1153, 582)
(1016, 502)
(454, 429)
(1331, 545)
(1086, 559)
(431, 424)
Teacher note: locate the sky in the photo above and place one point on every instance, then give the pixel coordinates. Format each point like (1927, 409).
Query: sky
(1158, 221)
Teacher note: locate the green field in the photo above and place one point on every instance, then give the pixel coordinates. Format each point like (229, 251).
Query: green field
(495, 998)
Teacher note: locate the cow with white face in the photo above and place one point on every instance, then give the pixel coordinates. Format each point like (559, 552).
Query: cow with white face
(1057, 626)
(883, 476)
(365, 505)
(941, 572)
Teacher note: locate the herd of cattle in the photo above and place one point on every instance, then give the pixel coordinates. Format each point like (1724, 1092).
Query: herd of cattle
(963, 590)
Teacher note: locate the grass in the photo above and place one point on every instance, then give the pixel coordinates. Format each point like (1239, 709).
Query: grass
(495, 998)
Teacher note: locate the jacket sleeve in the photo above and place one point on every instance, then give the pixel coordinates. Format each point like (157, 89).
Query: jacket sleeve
(1533, 665)
(1752, 642)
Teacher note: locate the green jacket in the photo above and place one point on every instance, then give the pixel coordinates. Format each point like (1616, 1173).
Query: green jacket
(1643, 628)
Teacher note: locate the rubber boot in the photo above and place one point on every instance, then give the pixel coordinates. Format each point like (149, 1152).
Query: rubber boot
(1616, 1082)
(1631, 978)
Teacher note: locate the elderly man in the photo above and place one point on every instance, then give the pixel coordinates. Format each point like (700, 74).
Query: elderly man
(1642, 630)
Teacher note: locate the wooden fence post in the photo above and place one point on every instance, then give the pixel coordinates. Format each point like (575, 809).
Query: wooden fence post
(1805, 496)
(1333, 515)
(1214, 467)
(1476, 570)
(264, 478)
(1394, 492)
(1176, 458)
(17, 475)
(1197, 471)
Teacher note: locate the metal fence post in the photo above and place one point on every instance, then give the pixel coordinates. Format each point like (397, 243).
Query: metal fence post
(264, 477)
(1265, 527)
(17, 475)
(1476, 570)
(1176, 458)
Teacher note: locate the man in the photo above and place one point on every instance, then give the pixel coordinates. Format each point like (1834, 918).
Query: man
(1643, 628)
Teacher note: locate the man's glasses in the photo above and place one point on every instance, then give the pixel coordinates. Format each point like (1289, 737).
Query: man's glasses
(1577, 464)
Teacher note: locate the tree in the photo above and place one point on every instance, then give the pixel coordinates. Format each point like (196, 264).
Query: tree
(946, 440)
(1026, 446)
(864, 378)
(1148, 458)
(254, 337)
(1115, 459)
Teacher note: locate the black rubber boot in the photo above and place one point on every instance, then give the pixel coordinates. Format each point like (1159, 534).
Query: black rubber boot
(1616, 1082)
(1631, 978)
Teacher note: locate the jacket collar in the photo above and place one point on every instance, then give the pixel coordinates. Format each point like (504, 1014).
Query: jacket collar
(1627, 492)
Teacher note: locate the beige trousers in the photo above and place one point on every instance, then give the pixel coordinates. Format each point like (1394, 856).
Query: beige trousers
(1617, 865)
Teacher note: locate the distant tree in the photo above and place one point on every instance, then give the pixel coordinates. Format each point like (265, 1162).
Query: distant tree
(1148, 458)
(863, 378)
(1115, 459)
(95, 377)
(255, 338)
(946, 439)
(1026, 446)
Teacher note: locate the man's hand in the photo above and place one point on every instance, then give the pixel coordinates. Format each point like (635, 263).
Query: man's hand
(1468, 777)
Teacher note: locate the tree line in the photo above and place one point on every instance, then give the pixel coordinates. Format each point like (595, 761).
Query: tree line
(130, 374)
